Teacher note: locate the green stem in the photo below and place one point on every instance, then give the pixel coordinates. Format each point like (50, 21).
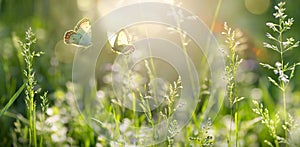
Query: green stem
(182, 39)
(282, 84)
(276, 143)
(284, 110)
(32, 120)
(212, 26)
(236, 120)
(236, 107)
(34, 127)
(29, 90)
(216, 15)
(230, 127)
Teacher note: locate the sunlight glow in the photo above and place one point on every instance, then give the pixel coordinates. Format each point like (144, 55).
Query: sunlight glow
(105, 7)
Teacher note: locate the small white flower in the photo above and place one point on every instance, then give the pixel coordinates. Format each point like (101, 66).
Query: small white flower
(281, 4)
(269, 35)
(267, 45)
(285, 44)
(278, 64)
(285, 80)
(270, 24)
(289, 23)
(281, 73)
(290, 40)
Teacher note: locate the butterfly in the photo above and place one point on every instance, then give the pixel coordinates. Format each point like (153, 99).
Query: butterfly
(121, 42)
(81, 35)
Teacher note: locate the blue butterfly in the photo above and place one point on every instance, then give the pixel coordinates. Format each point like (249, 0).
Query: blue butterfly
(81, 36)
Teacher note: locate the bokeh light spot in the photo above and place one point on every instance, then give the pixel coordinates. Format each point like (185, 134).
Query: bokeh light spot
(257, 6)
(84, 5)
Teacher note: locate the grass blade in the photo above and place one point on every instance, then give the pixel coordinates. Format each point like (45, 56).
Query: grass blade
(12, 99)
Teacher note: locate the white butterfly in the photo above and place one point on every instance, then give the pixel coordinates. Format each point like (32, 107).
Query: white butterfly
(121, 42)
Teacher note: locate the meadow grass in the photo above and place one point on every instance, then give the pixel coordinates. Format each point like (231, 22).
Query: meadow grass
(284, 72)
(31, 89)
(233, 62)
(58, 123)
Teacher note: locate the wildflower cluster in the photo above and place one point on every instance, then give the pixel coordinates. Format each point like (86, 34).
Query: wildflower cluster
(281, 76)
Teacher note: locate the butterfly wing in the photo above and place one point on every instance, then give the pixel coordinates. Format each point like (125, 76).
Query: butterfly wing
(123, 38)
(127, 49)
(111, 38)
(69, 37)
(121, 44)
(83, 26)
(85, 40)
